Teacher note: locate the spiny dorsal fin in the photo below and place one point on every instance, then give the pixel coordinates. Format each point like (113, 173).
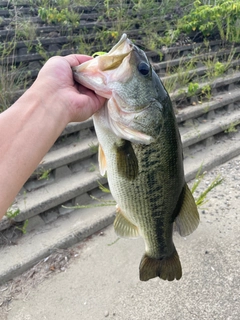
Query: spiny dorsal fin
(123, 227)
(188, 218)
(102, 161)
(168, 268)
(127, 162)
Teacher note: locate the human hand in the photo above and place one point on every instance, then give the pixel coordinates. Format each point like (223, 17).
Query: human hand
(56, 85)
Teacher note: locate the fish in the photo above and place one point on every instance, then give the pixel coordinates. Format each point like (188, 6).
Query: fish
(140, 150)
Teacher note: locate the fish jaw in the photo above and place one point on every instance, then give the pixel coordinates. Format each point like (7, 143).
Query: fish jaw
(121, 122)
(97, 73)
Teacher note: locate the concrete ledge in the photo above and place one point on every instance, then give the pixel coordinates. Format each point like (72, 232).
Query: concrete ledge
(63, 233)
(82, 223)
(210, 128)
(222, 81)
(213, 156)
(47, 197)
(70, 153)
(198, 110)
(176, 62)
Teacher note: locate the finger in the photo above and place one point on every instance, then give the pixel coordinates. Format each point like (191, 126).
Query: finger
(84, 90)
(76, 59)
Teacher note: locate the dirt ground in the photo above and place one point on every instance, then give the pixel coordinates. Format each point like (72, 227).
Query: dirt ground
(98, 278)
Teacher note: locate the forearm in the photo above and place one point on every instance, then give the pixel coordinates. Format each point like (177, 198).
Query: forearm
(28, 130)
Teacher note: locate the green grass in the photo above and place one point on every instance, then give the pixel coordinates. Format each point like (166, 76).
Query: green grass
(156, 24)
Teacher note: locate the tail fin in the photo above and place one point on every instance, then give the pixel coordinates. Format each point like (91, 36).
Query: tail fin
(168, 268)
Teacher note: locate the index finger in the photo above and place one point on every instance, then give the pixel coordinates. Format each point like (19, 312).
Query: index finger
(76, 59)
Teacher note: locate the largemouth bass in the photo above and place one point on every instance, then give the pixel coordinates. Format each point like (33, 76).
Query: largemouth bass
(140, 149)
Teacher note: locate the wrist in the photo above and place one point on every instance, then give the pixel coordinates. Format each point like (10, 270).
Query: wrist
(47, 97)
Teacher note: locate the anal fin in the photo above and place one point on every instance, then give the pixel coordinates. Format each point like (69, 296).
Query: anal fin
(188, 218)
(168, 268)
(123, 227)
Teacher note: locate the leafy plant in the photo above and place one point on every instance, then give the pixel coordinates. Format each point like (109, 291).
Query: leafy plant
(65, 17)
(192, 88)
(23, 229)
(44, 174)
(220, 16)
(232, 128)
(206, 91)
(12, 213)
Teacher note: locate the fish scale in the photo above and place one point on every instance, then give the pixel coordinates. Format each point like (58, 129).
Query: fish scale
(140, 150)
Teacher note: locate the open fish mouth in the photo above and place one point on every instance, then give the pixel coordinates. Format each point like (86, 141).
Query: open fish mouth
(94, 74)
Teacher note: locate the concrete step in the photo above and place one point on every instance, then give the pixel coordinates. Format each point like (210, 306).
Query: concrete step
(166, 66)
(67, 182)
(221, 84)
(82, 223)
(223, 149)
(49, 198)
(225, 100)
(209, 128)
(63, 190)
(75, 151)
(197, 73)
(42, 241)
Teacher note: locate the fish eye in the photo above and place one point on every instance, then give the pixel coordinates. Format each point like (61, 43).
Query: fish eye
(143, 68)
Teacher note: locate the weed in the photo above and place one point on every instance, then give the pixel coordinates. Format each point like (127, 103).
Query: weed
(23, 229)
(43, 174)
(180, 75)
(215, 68)
(25, 30)
(82, 42)
(202, 197)
(12, 213)
(220, 16)
(93, 147)
(206, 91)
(102, 188)
(232, 128)
(11, 78)
(192, 88)
(92, 167)
(101, 203)
(64, 17)
(41, 50)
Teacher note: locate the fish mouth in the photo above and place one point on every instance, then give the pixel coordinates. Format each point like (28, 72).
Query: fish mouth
(124, 46)
(95, 73)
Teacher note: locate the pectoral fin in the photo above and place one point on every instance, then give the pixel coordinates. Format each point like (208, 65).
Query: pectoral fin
(123, 227)
(102, 161)
(188, 218)
(127, 162)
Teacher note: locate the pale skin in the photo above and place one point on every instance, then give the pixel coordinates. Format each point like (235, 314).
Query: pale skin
(32, 124)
